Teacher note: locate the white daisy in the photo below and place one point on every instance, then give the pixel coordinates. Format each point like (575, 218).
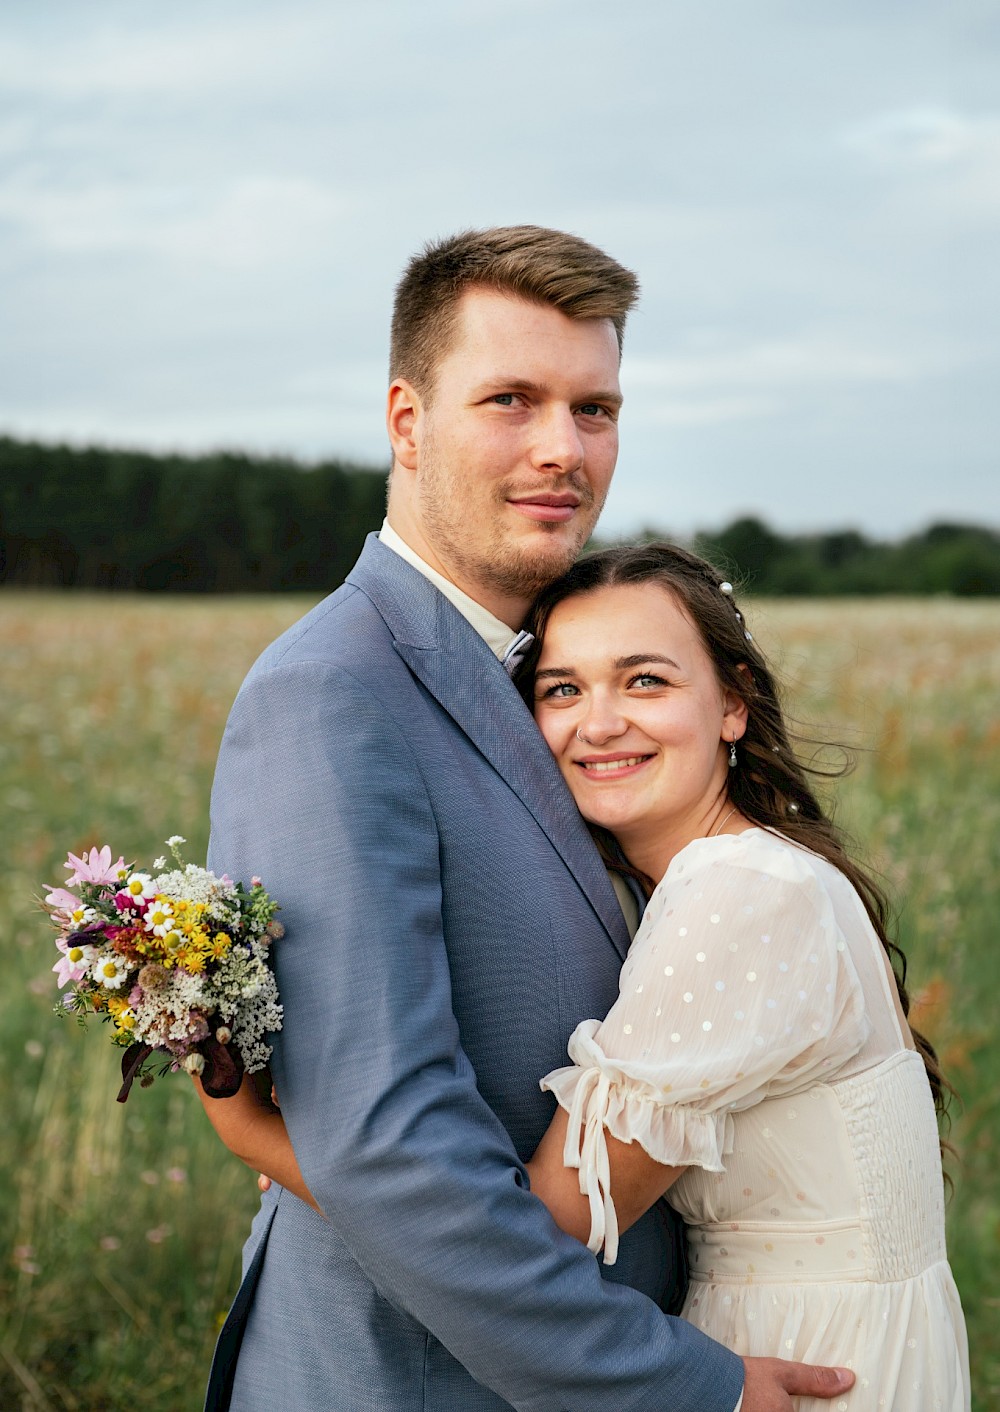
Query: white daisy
(110, 970)
(159, 918)
(139, 886)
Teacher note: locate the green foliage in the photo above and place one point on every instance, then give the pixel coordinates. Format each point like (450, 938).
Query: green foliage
(230, 523)
(121, 1228)
(963, 560)
(105, 519)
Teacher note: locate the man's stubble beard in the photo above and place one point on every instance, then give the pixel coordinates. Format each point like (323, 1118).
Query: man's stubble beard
(504, 567)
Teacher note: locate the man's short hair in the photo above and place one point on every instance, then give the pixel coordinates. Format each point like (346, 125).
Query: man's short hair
(527, 262)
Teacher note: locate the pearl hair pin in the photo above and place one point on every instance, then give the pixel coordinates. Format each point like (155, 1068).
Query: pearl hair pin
(727, 588)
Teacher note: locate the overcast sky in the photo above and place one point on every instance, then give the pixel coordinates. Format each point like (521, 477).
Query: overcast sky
(204, 209)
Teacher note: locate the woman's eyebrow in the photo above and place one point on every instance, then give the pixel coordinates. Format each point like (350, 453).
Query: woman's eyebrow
(637, 659)
(621, 664)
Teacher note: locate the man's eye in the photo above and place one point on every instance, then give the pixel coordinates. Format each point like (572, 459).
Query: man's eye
(503, 399)
(593, 409)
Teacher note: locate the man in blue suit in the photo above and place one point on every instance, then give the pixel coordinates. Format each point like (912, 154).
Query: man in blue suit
(448, 921)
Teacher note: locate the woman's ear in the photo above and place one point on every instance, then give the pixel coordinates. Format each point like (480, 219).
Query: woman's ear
(403, 419)
(734, 722)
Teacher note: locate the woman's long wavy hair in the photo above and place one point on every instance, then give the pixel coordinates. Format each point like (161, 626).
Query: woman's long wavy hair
(770, 787)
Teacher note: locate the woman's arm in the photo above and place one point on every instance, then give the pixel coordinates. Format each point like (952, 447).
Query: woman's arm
(636, 1180)
(255, 1132)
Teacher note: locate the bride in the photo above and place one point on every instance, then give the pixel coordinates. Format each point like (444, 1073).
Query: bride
(757, 1068)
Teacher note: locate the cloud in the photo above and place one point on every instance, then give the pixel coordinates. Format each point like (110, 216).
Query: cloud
(760, 379)
(137, 58)
(956, 154)
(926, 137)
(252, 221)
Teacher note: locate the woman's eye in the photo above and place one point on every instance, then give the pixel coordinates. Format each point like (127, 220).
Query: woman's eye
(647, 679)
(561, 689)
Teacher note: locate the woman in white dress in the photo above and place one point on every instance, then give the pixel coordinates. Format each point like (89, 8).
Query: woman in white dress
(758, 1068)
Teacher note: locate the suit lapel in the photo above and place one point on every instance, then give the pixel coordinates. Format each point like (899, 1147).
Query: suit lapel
(455, 665)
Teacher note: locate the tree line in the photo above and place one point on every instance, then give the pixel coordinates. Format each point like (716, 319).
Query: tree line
(225, 522)
(220, 523)
(963, 560)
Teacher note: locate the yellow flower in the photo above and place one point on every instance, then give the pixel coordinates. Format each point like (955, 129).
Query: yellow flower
(191, 961)
(220, 945)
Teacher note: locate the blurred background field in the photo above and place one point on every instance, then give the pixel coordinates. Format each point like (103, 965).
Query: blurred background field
(121, 1226)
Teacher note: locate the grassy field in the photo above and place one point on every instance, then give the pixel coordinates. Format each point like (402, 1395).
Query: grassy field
(121, 1227)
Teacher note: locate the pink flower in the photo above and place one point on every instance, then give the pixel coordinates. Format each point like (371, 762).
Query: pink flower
(93, 867)
(125, 902)
(61, 900)
(74, 963)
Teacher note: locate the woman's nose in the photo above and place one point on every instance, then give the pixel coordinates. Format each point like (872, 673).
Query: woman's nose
(601, 724)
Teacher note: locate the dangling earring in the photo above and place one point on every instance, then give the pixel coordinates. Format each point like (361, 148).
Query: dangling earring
(732, 753)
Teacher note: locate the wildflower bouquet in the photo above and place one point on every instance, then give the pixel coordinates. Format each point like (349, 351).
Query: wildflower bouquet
(175, 961)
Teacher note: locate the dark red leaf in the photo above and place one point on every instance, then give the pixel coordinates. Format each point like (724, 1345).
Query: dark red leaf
(132, 1061)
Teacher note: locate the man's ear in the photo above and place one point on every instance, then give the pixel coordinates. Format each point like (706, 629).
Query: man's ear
(403, 417)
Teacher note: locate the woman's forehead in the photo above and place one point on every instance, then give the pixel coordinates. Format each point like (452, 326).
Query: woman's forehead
(612, 619)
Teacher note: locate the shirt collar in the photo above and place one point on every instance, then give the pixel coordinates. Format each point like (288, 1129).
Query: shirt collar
(498, 637)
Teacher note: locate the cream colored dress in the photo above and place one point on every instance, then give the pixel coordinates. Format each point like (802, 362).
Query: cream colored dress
(757, 1043)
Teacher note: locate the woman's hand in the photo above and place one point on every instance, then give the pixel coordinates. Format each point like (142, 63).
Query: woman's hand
(251, 1126)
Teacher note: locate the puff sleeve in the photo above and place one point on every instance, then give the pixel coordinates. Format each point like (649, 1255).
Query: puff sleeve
(738, 987)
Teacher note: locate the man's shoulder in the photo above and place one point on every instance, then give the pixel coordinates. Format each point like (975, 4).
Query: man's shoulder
(343, 625)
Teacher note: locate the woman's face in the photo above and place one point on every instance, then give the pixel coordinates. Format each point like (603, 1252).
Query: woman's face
(625, 667)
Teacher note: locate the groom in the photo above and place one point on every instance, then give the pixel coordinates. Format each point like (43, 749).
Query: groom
(448, 921)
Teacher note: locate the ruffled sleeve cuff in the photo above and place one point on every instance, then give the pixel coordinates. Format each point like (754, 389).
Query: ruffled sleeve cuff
(600, 1097)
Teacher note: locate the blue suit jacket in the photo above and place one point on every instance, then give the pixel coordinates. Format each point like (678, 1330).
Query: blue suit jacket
(448, 923)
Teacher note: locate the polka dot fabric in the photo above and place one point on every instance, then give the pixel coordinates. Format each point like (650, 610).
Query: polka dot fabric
(757, 1043)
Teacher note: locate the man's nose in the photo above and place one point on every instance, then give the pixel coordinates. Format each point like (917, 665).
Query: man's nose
(558, 448)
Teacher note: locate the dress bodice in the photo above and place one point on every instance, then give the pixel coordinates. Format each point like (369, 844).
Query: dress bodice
(757, 1043)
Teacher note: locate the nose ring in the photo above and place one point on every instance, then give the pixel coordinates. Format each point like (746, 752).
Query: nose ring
(581, 737)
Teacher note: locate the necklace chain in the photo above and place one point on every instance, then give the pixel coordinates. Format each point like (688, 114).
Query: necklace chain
(719, 827)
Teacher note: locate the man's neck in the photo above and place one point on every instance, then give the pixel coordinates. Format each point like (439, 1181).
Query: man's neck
(509, 609)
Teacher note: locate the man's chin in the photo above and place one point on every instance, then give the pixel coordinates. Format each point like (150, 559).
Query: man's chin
(531, 564)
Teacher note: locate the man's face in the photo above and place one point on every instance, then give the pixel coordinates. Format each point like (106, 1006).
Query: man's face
(516, 443)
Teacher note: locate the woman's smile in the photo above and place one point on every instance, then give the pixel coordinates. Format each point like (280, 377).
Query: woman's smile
(611, 767)
(630, 705)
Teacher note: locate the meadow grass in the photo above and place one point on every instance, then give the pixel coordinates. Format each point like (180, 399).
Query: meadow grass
(121, 1227)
